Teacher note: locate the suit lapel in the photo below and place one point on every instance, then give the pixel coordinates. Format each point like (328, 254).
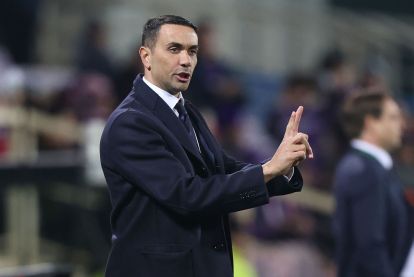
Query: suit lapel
(152, 101)
(205, 133)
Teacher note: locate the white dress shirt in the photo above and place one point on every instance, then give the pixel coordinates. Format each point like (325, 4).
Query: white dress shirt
(382, 156)
(170, 100)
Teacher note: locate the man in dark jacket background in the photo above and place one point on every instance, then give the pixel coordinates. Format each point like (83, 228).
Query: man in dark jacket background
(371, 224)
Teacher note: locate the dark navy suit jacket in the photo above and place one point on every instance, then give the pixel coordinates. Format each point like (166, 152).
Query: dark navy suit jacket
(170, 206)
(371, 218)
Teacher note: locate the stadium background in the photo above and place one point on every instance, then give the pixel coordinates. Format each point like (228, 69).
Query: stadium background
(64, 65)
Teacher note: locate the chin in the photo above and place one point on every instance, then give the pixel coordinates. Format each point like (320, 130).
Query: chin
(394, 146)
(182, 88)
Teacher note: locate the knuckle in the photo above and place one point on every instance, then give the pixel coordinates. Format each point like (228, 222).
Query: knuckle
(303, 135)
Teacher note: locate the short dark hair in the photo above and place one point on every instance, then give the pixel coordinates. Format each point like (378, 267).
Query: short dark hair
(153, 25)
(359, 105)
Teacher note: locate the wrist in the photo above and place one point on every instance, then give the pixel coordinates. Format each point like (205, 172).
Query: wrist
(267, 172)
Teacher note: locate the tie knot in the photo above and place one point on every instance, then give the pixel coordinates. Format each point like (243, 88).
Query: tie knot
(183, 116)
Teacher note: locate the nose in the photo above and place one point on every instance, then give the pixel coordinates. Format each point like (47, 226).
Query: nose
(185, 59)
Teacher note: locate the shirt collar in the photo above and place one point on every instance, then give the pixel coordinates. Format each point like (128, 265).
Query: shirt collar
(168, 98)
(382, 156)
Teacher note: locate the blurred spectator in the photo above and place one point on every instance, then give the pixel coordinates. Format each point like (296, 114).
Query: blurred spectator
(214, 84)
(405, 159)
(126, 74)
(301, 89)
(12, 98)
(407, 72)
(215, 88)
(406, 164)
(374, 74)
(91, 96)
(337, 79)
(92, 56)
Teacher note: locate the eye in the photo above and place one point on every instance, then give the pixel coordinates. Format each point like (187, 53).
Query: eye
(174, 50)
(193, 52)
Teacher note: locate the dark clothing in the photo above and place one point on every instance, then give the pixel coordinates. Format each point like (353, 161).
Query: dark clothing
(371, 219)
(170, 202)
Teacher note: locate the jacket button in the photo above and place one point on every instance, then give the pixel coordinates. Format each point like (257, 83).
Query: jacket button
(252, 193)
(218, 247)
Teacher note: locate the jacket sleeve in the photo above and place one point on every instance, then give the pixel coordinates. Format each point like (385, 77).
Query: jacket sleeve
(277, 186)
(141, 156)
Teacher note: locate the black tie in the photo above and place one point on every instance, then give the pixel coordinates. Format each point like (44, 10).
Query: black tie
(185, 119)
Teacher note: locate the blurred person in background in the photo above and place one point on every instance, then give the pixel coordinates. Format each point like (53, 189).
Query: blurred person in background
(127, 72)
(89, 96)
(171, 184)
(216, 89)
(302, 89)
(92, 56)
(12, 100)
(336, 80)
(215, 85)
(371, 221)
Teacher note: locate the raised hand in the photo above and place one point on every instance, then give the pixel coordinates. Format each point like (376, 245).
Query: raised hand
(293, 149)
(292, 130)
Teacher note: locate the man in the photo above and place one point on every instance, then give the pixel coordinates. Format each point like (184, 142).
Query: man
(171, 185)
(371, 220)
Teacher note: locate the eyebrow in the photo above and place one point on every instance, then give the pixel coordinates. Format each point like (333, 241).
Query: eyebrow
(179, 45)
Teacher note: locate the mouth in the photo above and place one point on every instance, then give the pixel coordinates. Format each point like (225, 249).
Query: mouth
(183, 77)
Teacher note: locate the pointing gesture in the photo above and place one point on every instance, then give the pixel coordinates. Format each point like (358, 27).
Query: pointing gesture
(293, 149)
(292, 130)
(292, 127)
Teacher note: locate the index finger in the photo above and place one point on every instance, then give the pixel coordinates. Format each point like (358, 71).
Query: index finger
(296, 122)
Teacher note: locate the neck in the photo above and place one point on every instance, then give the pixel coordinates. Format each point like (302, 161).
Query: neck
(372, 140)
(149, 79)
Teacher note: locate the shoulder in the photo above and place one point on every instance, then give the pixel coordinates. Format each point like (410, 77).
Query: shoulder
(127, 109)
(130, 115)
(352, 164)
(356, 173)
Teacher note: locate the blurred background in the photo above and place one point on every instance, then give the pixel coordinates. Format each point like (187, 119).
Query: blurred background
(65, 65)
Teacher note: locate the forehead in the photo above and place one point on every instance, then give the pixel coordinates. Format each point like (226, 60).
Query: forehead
(390, 106)
(169, 33)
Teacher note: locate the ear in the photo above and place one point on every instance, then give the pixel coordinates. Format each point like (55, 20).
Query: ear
(145, 54)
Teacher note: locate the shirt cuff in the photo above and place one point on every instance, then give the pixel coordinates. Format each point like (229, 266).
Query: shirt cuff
(289, 176)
